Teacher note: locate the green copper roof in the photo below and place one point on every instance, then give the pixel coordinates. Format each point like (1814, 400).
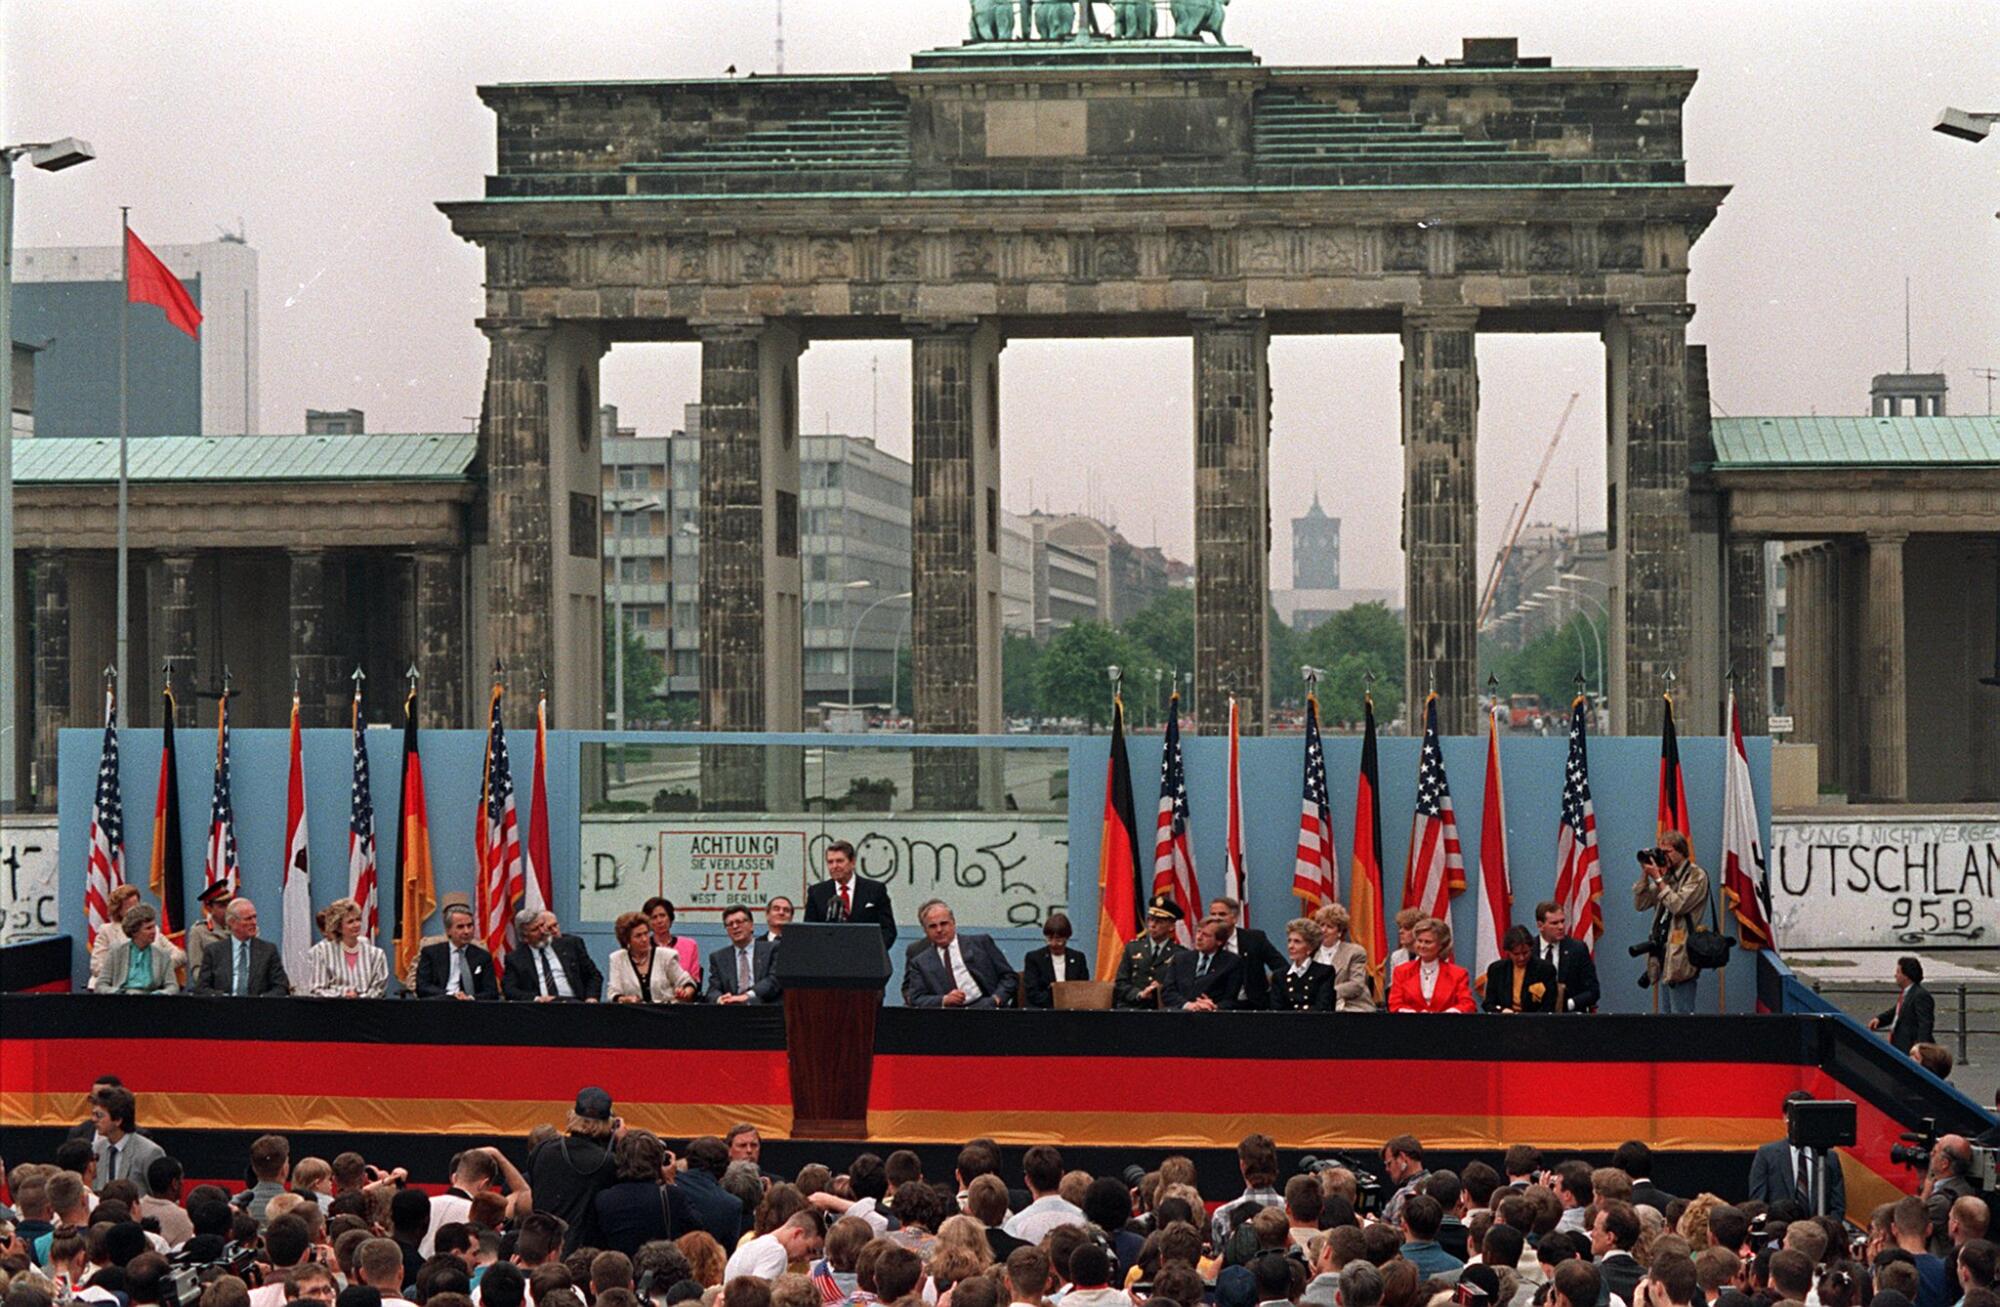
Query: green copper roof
(439, 457)
(1856, 442)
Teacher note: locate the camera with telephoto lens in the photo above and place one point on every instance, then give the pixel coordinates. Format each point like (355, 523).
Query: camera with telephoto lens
(1916, 1145)
(1366, 1183)
(187, 1278)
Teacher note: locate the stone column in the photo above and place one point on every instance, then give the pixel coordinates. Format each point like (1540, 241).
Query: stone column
(1652, 624)
(1749, 653)
(1982, 595)
(172, 589)
(49, 582)
(313, 668)
(752, 642)
(1232, 519)
(1803, 676)
(955, 552)
(438, 582)
(1441, 513)
(1885, 672)
(520, 526)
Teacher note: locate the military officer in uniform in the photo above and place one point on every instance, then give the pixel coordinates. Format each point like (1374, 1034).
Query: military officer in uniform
(1143, 969)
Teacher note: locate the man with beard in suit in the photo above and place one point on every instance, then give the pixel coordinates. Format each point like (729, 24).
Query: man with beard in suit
(956, 970)
(1576, 971)
(844, 896)
(548, 966)
(1206, 978)
(1253, 947)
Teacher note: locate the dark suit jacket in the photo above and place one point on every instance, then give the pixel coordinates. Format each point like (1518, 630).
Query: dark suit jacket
(1772, 1178)
(519, 982)
(1617, 1273)
(1260, 959)
(267, 969)
(926, 978)
(1309, 992)
(1576, 972)
(1038, 974)
(714, 1208)
(434, 971)
(1915, 1023)
(722, 972)
(871, 903)
(1224, 979)
(1645, 1191)
(1500, 987)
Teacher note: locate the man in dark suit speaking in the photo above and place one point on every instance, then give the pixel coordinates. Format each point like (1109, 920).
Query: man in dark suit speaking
(1912, 1020)
(239, 963)
(845, 896)
(956, 970)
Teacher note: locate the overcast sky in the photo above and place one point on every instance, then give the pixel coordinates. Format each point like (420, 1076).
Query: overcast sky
(329, 131)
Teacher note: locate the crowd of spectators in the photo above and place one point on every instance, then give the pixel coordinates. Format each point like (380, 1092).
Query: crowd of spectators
(605, 1215)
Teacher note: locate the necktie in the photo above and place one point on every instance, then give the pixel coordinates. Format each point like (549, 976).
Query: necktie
(239, 980)
(113, 1160)
(846, 903)
(457, 985)
(1805, 1179)
(743, 980)
(1549, 953)
(548, 974)
(1201, 967)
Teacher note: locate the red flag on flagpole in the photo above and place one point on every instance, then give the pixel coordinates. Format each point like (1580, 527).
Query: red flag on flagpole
(536, 886)
(298, 924)
(1496, 887)
(1745, 877)
(149, 281)
(1236, 872)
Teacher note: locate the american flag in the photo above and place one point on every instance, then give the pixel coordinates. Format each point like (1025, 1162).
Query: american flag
(1312, 874)
(1173, 849)
(1437, 864)
(361, 883)
(107, 829)
(501, 880)
(1579, 877)
(222, 864)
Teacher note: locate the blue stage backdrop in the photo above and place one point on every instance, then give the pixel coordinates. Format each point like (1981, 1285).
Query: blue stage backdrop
(1624, 779)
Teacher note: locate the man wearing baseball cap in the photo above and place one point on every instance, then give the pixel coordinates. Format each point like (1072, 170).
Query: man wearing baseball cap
(1144, 966)
(566, 1173)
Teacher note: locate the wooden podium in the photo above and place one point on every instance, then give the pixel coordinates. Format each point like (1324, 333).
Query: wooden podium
(833, 977)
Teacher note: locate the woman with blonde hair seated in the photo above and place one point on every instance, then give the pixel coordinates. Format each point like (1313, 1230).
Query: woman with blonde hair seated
(344, 965)
(641, 971)
(1353, 988)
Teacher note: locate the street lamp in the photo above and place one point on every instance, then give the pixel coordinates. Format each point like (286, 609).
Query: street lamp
(618, 508)
(1595, 638)
(1974, 127)
(49, 156)
(855, 631)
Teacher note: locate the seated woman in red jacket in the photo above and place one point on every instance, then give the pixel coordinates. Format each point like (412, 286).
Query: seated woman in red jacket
(1430, 981)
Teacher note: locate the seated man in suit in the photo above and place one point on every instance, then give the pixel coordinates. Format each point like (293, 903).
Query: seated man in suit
(1043, 967)
(1520, 982)
(1204, 978)
(1576, 970)
(1142, 972)
(548, 965)
(956, 970)
(1780, 1170)
(240, 964)
(741, 971)
(140, 962)
(844, 896)
(456, 967)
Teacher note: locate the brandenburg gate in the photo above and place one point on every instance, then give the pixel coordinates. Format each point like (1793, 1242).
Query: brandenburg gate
(1109, 180)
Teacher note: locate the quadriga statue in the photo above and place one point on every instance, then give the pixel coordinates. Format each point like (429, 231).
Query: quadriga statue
(1135, 18)
(993, 20)
(1193, 17)
(1055, 19)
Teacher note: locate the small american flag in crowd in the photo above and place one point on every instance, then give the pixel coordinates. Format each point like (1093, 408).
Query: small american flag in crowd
(1437, 864)
(222, 861)
(107, 828)
(1312, 874)
(1173, 852)
(361, 882)
(1579, 877)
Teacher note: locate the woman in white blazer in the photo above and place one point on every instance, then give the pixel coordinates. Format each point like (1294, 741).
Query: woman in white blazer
(1353, 989)
(344, 965)
(641, 972)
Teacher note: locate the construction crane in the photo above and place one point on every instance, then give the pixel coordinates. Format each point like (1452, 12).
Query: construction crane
(1514, 530)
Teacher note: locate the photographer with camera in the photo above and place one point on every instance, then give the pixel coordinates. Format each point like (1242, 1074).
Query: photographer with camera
(1946, 1180)
(1677, 891)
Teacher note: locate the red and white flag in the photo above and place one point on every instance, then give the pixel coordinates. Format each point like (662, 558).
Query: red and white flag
(106, 871)
(1436, 869)
(1746, 885)
(1579, 874)
(498, 840)
(298, 923)
(535, 856)
(1312, 873)
(1236, 876)
(1496, 886)
(1173, 849)
(363, 885)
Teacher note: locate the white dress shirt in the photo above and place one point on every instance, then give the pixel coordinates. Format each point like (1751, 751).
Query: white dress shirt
(1059, 964)
(763, 1257)
(961, 975)
(548, 966)
(1427, 977)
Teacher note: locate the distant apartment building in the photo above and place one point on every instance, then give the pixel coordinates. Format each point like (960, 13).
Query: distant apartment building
(336, 422)
(69, 298)
(1129, 576)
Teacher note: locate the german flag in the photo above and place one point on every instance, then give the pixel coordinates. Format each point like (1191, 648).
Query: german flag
(1118, 894)
(164, 873)
(1673, 814)
(416, 885)
(1364, 908)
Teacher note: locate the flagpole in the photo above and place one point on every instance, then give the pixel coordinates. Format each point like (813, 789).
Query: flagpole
(124, 312)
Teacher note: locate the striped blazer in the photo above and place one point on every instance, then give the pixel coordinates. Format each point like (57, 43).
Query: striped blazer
(327, 975)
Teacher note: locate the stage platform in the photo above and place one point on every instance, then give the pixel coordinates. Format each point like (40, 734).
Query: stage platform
(414, 1081)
